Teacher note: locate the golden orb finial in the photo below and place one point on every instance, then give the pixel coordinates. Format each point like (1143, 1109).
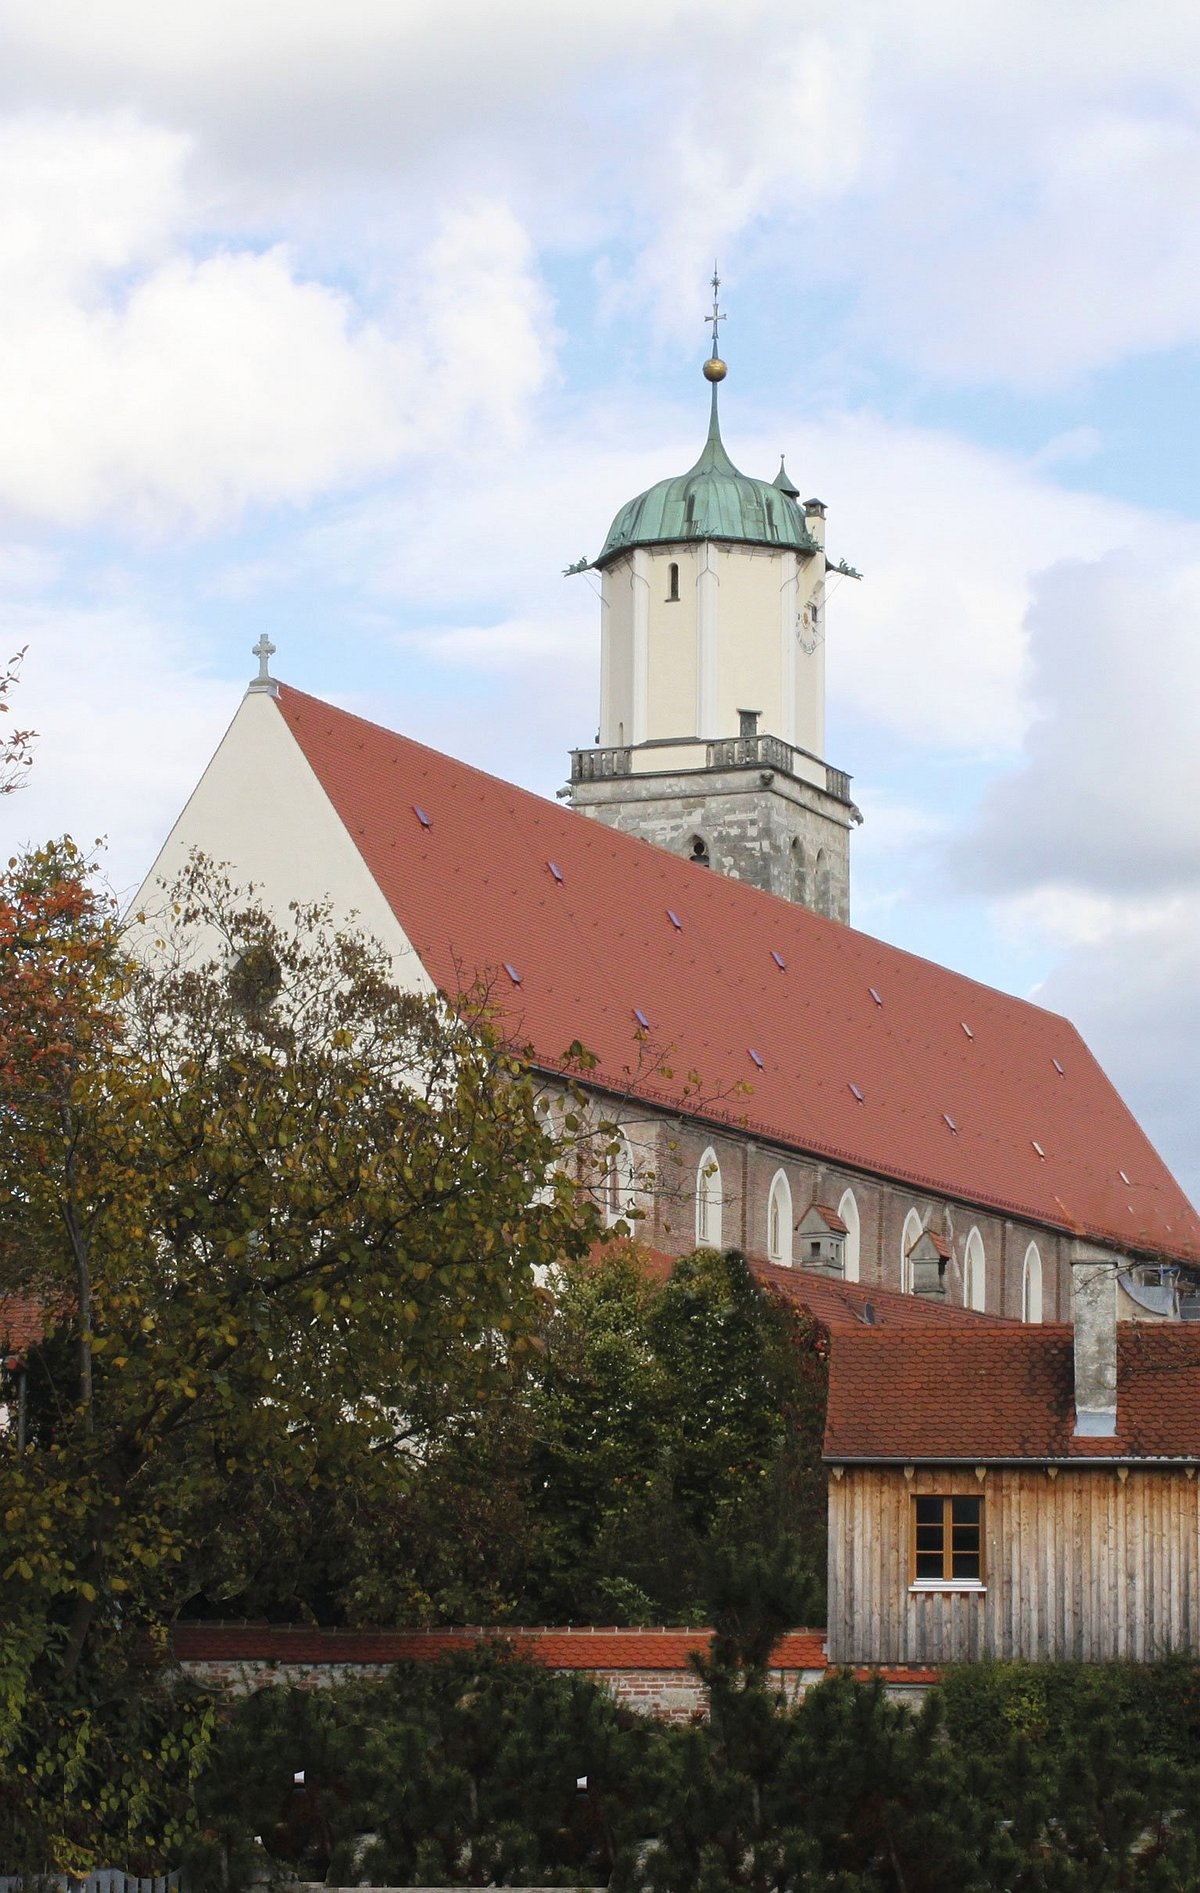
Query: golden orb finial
(715, 369)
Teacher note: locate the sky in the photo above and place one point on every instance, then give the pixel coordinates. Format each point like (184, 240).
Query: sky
(356, 322)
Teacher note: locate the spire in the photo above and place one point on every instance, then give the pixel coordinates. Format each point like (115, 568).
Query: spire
(784, 484)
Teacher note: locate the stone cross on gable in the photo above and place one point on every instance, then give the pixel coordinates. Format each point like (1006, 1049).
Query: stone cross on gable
(264, 651)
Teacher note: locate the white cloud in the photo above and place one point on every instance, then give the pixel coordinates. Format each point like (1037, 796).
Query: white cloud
(1106, 801)
(150, 385)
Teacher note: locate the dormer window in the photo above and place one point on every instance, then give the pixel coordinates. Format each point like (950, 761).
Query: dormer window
(672, 583)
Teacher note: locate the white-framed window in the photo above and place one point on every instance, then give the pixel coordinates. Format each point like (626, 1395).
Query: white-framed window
(779, 1220)
(619, 1192)
(912, 1233)
(848, 1211)
(1031, 1285)
(708, 1201)
(974, 1272)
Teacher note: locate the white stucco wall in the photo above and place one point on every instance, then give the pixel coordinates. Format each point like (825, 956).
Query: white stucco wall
(260, 811)
(731, 641)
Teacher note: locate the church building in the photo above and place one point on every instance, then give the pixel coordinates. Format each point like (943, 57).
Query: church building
(780, 1081)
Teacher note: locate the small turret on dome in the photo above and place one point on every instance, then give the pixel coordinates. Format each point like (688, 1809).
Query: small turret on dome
(784, 484)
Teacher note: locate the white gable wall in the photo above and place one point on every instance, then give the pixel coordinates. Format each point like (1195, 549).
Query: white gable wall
(259, 811)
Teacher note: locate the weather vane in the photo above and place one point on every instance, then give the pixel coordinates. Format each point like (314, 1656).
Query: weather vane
(714, 367)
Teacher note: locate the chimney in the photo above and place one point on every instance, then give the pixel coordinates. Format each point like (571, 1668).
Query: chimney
(1094, 1314)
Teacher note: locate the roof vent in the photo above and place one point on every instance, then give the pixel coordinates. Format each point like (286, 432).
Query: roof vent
(754, 1055)
(1041, 1153)
(421, 816)
(641, 1018)
(779, 960)
(1058, 1068)
(555, 871)
(950, 1121)
(875, 995)
(858, 1094)
(966, 1028)
(512, 973)
(674, 919)
(1125, 1179)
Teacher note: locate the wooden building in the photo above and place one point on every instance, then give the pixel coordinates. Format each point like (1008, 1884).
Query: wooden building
(1010, 1491)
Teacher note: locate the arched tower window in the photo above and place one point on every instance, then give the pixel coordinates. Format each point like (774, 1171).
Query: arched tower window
(1031, 1285)
(799, 873)
(848, 1211)
(974, 1272)
(708, 1201)
(700, 853)
(912, 1234)
(672, 583)
(823, 883)
(619, 1193)
(779, 1221)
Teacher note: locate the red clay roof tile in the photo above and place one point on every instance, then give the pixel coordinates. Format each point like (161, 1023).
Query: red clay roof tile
(584, 1648)
(1006, 1392)
(473, 891)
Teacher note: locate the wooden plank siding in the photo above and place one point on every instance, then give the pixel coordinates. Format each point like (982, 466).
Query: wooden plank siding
(1085, 1564)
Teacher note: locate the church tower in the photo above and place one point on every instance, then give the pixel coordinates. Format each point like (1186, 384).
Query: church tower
(712, 684)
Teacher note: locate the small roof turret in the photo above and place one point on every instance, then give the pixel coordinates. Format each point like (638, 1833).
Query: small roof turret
(784, 484)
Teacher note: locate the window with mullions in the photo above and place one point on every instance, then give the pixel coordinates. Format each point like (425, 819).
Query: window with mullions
(947, 1541)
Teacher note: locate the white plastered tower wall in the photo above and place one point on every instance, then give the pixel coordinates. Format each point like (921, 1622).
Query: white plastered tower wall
(694, 634)
(260, 812)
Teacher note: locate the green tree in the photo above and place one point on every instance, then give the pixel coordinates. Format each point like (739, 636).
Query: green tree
(282, 1215)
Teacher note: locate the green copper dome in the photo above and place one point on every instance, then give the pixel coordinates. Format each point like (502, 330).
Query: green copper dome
(711, 501)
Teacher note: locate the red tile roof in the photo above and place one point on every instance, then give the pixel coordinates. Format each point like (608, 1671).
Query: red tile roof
(857, 1305)
(585, 1648)
(474, 890)
(21, 1324)
(1006, 1392)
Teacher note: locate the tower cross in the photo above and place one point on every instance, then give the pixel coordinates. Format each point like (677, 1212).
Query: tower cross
(718, 313)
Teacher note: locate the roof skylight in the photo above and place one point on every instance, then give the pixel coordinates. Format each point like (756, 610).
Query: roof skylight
(421, 816)
(779, 960)
(555, 871)
(950, 1121)
(875, 995)
(512, 973)
(674, 919)
(1125, 1179)
(966, 1028)
(754, 1055)
(641, 1018)
(858, 1094)
(1058, 1068)
(1041, 1153)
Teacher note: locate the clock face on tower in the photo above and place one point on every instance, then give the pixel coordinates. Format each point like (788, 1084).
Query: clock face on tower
(808, 626)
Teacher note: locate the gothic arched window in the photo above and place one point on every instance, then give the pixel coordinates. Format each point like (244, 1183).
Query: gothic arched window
(911, 1235)
(619, 1193)
(1031, 1285)
(848, 1211)
(823, 883)
(779, 1221)
(708, 1201)
(974, 1272)
(799, 874)
(700, 853)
